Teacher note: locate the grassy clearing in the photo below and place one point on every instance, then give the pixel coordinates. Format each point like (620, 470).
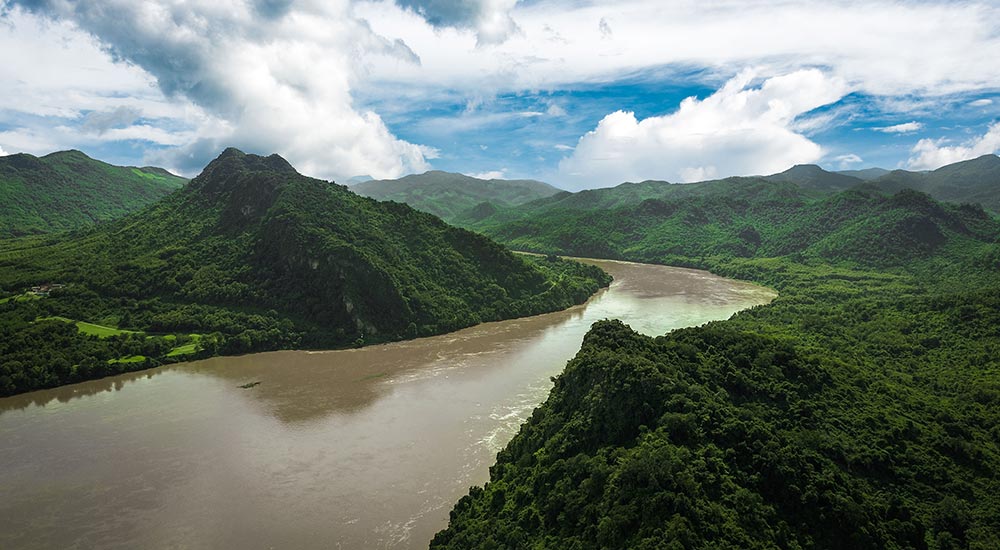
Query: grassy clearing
(19, 298)
(91, 329)
(129, 359)
(186, 349)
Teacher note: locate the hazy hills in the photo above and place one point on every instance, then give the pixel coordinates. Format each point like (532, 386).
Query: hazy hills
(69, 190)
(453, 196)
(267, 258)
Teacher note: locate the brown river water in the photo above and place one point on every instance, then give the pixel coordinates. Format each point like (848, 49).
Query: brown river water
(356, 449)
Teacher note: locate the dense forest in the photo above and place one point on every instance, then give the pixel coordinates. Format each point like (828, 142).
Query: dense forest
(253, 256)
(861, 409)
(69, 190)
(967, 182)
(455, 197)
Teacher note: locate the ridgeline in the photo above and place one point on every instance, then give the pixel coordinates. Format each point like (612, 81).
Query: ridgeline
(69, 190)
(253, 256)
(860, 409)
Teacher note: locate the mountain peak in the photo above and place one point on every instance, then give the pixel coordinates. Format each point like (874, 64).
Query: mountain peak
(68, 154)
(811, 176)
(805, 168)
(234, 160)
(245, 185)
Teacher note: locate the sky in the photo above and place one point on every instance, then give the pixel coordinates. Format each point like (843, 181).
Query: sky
(576, 93)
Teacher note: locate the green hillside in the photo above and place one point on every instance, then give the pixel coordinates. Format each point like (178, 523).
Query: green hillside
(860, 409)
(69, 190)
(454, 196)
(975, 181)
(256, 256)
(970, 181)
(810, 176)
(866, 174)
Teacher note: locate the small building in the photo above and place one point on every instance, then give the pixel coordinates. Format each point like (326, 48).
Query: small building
(45, 289)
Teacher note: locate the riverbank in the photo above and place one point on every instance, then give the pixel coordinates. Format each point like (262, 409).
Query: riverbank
(365, 447)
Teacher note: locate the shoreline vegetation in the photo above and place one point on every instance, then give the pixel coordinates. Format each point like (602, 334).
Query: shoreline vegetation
(252, 256)
(860, 408)
(111, 351)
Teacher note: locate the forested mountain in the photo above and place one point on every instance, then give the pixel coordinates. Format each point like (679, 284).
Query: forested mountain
(251, 255)
(974, 181)
(69, 190)
(860, 409)
(758, 219)
(454, 196)
(970, 181)
(810, 176)
(866, 174)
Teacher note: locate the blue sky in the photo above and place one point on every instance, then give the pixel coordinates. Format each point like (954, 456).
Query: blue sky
(580, 94)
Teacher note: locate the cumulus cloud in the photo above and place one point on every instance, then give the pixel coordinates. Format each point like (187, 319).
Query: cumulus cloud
(490, 175)
(3, 153)
(846, 161)
(269, 75)
(903, 128)
(929, 154)
(740, 129)
(490, 19)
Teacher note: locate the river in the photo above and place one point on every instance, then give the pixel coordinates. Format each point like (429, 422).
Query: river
(365, 448)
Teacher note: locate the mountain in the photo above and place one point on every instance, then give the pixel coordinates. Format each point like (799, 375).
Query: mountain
(762, 219)
(810, 176)
(970, 181)
(251, 255)
(451, 196)
(859, 409)
(866, 174)
(69, 190)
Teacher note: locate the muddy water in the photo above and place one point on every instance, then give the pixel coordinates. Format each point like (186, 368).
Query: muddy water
(363, 448)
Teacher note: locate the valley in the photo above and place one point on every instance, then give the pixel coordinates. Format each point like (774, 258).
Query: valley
(857, 405)
(361, 448)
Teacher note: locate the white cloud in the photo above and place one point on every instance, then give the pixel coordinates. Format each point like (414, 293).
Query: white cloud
(555, 110)
(883, 47)
(846, 161)
(929, 154)
(3, 153)
(230, 73)
(563, 147)
(903, 128)
(981, 103)
(738, 130)
(490, 175)
(490, 19)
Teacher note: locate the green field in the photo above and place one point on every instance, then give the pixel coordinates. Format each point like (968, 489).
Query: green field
(186, 349)
(90, 328)
(19, 298)
(129, 359)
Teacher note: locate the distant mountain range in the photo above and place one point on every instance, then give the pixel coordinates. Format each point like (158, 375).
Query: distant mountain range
(970, 181)
(69, 190)
(455, 197)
